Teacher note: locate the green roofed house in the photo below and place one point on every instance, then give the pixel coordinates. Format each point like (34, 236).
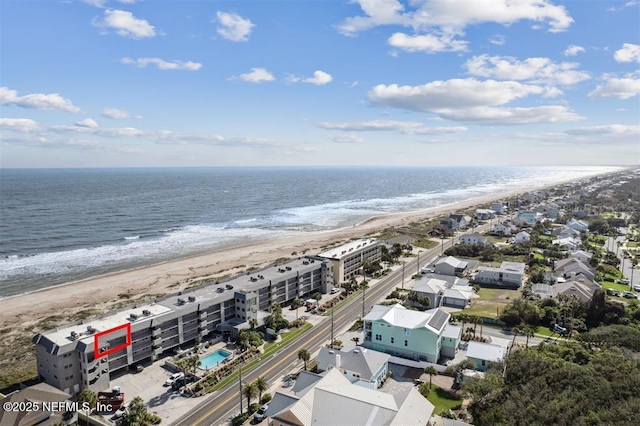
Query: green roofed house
(399, 331)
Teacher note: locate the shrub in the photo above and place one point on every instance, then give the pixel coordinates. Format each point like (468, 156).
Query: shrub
(266, 398)
(240, 419)
(254, 407)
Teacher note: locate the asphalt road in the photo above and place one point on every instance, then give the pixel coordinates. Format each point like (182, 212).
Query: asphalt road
(223, 406)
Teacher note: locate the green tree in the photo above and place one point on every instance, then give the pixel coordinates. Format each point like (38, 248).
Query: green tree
(304, 355)
(431, 371)
(261, 384)
(317, 296)
(250, 391)
(90, 397)
(137, 414)
(295, 304)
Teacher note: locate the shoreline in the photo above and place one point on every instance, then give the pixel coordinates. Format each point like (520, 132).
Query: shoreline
(171, 276)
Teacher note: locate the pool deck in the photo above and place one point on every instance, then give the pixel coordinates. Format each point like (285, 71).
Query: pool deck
(216, 347)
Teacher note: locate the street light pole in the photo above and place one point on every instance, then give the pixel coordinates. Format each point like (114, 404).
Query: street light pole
(240, 385)
(403, 276)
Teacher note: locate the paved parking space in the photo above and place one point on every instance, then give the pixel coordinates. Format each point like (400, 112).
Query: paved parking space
(161, 400)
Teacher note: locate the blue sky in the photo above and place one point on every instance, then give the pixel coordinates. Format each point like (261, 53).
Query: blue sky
(119, 83)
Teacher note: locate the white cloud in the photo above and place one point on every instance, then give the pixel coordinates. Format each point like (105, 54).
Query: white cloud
(611, 130)
(348, 138)
(537, 70)
(405, 127)
(24, 125)
(451, 94)
(52, 101)
(621, 88)
(117, 114)
(320, 78)
(498, 40)
(449, 130)
(87, 122)
(371, 126)
(95, 3)
(125, 24)
(107, 132)
(628, 53)
(257, 75)
(573, 50)
(234, 27)
(162, 64)
(428, 43)
(511, 116)
(455, 14)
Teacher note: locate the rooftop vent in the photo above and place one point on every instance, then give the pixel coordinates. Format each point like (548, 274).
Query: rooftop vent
(133, 316)
(288, 268)
(74, 335)
(90, 329)
(192, 298)
(181, 301)
(146, 312)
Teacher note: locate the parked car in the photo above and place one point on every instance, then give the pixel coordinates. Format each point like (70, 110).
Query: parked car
(178, 383)
(623, 281)
(120, 413)
(629, 295)
(613, 292)
(636, 287)
(259, 415)
(335, 290)
(172, 378)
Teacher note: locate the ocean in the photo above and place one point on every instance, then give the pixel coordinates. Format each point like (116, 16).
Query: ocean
(63, 225)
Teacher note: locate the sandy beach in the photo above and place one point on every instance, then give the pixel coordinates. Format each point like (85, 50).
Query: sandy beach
(172, 276)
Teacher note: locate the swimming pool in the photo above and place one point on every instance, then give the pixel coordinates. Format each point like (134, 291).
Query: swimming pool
(214, 358)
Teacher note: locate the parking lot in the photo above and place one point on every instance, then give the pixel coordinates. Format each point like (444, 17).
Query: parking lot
(149, 385)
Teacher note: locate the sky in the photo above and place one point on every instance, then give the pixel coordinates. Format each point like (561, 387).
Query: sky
(150, 83)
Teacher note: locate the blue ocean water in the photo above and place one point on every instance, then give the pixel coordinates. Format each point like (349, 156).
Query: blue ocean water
(62, 225)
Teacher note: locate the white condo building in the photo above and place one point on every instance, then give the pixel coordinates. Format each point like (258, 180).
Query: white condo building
(66, 357)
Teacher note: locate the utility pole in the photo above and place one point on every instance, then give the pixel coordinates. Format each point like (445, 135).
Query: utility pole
(331, 327)
(240, 386)
(418, 264)
(403, 276)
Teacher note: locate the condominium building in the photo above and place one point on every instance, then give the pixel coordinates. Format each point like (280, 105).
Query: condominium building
(509, 274)
(348, 259)
(85, 355)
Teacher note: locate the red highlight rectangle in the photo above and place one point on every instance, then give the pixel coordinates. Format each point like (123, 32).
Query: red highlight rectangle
(96, 349)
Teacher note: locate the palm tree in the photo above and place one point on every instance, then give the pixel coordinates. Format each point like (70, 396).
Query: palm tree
(250, 391)
(528, 331)
(261, 385)
(431, 371)
(276, 310)
(253, 323)
(515, 330)
(304, 355)
(295, 304)
(90, 397)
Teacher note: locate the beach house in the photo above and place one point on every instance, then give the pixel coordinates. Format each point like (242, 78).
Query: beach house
(399, 331)
(360, 365)
(450, 266)
(509, 274)
(474, 238)
(331, 399)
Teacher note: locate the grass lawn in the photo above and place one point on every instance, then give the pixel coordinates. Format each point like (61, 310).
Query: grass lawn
(545, 238)
(616, 286)
(426, 243)
(442, 400)
(544, 331)
(491, 301)
(632, 244)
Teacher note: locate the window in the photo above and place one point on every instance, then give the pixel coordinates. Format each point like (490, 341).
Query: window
(406, 343)
(406, 332)
(392, 340)
(378, 337)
